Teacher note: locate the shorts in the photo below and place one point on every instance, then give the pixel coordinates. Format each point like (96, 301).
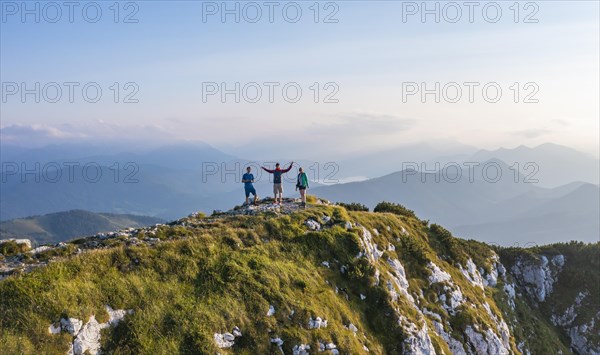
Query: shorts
(278, 188)
(250, 190)
(301, 188)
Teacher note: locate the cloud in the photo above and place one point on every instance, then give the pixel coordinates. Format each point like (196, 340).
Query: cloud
(560, 122)
(531, 133)
(98, 131)
(38, 133)
(364, 124)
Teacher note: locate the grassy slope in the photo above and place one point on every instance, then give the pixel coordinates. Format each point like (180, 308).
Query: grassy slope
(225, 272)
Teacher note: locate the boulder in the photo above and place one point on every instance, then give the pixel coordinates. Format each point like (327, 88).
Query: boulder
(312, 225)
(277, 341)
(301, 349)
(221, 342)
(317, 323)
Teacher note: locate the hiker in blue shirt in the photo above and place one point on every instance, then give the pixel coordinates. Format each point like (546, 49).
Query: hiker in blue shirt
(248, 179)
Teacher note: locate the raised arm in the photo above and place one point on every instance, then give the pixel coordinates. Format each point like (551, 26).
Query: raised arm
(288, 169)
(267, 170)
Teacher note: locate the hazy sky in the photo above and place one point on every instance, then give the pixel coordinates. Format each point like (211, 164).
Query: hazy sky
(369, 60)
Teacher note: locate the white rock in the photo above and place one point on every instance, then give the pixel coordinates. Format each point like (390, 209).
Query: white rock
(437, 274)
(237, 332)
(399, 278)
(501, 269)
(501, 326)
(330, 346)
(348, 225)
(222, 342)
(418, 342)
(570, 313)
(312, 225)
(88, 338)
(523, 349)
(510, 292)
(558, 260)
(277, 341)
(485, 344)
(353, 328)
(432, 314)
(325, 219)
(452, 299)
(271, 311)
(456, 347)
(115, 316)
(40, 249)
(321, 347)
(325, 263)
(363, 297)
(472, 274)
(538, 278)
(491, 279)
(317, 323)
(579, 337)
(52, 329)
(370, 248)
(71, 325)
(377, 275)
(301, 349)
(228, 337)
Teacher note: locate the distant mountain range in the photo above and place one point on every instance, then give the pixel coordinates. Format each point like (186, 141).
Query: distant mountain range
(164, 182)
(62, 226)
(553, 165)
(169, 181)
(502, 212)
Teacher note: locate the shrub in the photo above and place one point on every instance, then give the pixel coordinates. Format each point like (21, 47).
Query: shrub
(354, 206)
(447, 245)
(11, 247)
(394, 208)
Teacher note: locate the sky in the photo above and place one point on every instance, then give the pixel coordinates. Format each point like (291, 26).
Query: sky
(366, 64)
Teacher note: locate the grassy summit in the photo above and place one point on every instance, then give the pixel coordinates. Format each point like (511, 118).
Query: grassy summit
(198, 276)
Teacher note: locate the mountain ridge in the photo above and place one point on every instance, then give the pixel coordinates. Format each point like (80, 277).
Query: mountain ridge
(271, 279)
(62, 226)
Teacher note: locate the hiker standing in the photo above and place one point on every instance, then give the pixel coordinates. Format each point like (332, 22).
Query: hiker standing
(248, 179)
(277, 184)
(302, 185)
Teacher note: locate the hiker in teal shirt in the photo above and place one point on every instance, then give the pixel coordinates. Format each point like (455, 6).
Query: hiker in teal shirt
(302, 185)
